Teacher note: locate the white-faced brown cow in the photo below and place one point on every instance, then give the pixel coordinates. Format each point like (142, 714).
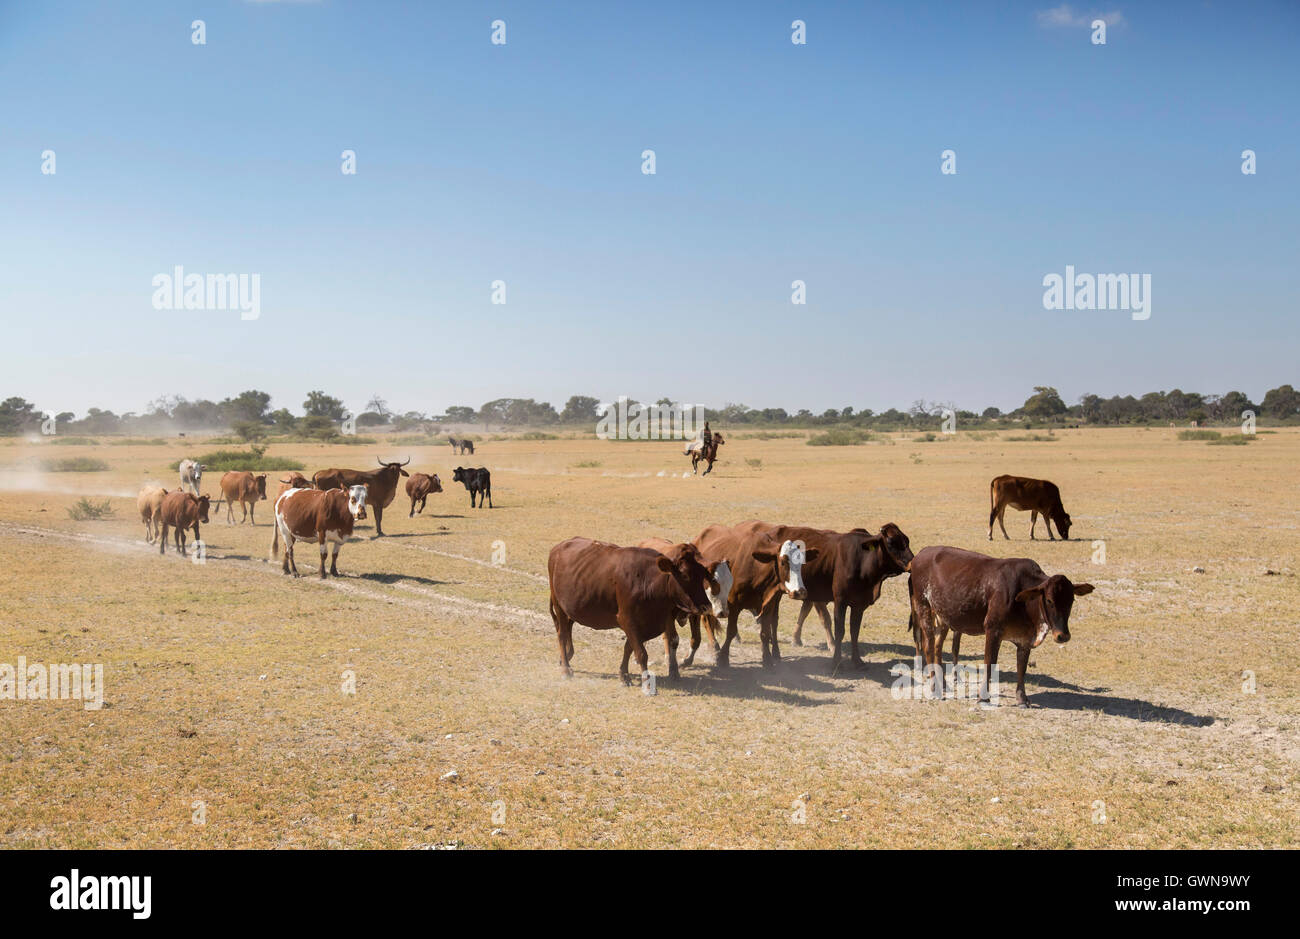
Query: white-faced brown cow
(762, 569)
(381, 486)
(319, 515)
(1001, 599)
(149, 502)
(1028, 495)
(717, 595)
(849, 569)
(244, 488)
(419, 487)
(637, 590)
(181, 511)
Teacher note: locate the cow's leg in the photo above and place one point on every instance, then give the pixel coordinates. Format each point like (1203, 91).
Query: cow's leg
(230, 512)
(838, 639)
(855, 623)
(804, 610)
(289, 558)
(1002, 522)
(244, 505)
(180, 540)
(993, 514)
(198, 538)
(992, 640)
(694, 621)
(935, 656)
(956, 644)
(773, 616)
(288, 547)
(723, 657)
(712, 625)
(825, 615)
(1047, 523)
(1033, 521)
(320, 542)
(162, 540)
(489, 498)
(563, 637)
(1022, 662)
(627, 654)
(412, 512)
(671, 642)
(379, 520)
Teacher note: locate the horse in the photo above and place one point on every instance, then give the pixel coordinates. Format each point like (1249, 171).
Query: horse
(697, 453)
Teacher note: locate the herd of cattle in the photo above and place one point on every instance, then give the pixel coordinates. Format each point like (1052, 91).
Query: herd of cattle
(654, 587)
(650, 589)
(323, 508)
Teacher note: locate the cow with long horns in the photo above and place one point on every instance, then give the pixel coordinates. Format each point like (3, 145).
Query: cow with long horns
(381, 485)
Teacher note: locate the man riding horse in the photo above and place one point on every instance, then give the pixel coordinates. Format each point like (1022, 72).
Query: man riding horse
(704, 447)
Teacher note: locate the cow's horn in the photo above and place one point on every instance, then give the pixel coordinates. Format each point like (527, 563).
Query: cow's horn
(379, 461)
(408, 459)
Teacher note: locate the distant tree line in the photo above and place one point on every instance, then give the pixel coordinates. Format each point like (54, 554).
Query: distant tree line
(249, 414)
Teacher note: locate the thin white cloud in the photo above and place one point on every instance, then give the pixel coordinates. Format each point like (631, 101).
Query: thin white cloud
(1065, 17)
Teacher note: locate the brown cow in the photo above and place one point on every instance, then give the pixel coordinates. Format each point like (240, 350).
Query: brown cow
(638, 590)
(999, 598)
(246, 489)
(149, 502)
(292, 481)
(1032, 495)
(325, 515)
(419, 487)
(381, 486)
(182, 511)
(848, 571)
(721, 572)
(762, 568)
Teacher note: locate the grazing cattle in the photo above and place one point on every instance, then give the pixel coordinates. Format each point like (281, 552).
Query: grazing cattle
(1032, 495)
(999, 598)
(292, 481)
(477, 481)
(849, 571)
(721, 573)
(459, 447)
(762, 568)
(244, 488)
(149, 502)
(191, 473)
(638, 590)
(325, 515)
(419, 487)
(381, 486)
(697, 451)
(181, 511)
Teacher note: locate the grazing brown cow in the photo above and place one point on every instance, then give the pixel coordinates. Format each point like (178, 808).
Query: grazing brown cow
(721, 572)
(849, 571)
(292, 481)
(244, 488)
(325, 515)
(181, 511)
(638, 590)
(999, 598)
(381, 486)
(1032, 495)
(149, 502)
(762, 568)
(419, 487)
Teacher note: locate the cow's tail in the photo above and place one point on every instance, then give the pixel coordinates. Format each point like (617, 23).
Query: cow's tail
(275, 537)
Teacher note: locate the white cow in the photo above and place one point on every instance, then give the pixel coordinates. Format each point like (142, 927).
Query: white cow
(191, 475)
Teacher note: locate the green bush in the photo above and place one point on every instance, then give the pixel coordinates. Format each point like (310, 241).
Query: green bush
(84, 510)
(74, 441)
(76, 464)
(254, 458)
(1199, 435)
(840, 437)
(537, 435)
(139, 442)
(1232, 440)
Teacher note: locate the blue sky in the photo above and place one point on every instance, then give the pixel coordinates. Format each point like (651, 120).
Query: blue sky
(522, 162)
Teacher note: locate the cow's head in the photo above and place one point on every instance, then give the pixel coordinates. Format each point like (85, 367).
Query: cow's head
(720, 571)
(394, 468)
(297, 481)
(356, 502)
(1048, 604)
(435, 484)
(789, 560)
(203, 503)
(896, 546)
(1061, 519)
(458, 475)
(261, 485)
(696, 581)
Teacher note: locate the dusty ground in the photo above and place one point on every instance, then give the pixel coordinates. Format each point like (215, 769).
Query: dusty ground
(224, 681)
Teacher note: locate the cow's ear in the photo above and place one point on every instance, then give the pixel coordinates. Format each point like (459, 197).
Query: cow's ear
(1025, 596)
(764, 557)
(404, 472)
(810, 553)
(873, 543)
(1083, 589)
(665, 565)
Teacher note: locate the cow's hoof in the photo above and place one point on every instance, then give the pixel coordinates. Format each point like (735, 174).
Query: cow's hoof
(798, 640)
(986, 706)
(566, 672)
(859, 664)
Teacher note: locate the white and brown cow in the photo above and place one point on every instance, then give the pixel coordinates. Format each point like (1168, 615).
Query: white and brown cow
(322, 514)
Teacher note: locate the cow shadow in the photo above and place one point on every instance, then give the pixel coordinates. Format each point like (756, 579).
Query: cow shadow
(412, 534)
(791, 681)
(439, 516)
(414, 578)
(1144, 712)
